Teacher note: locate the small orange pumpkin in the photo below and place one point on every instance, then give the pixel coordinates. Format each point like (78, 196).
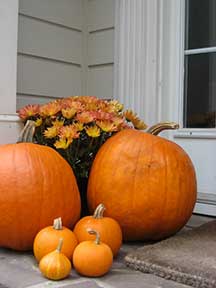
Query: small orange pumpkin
(109, 229)
(92, 258)
(55, 265)
(146, 182)
(47, 239)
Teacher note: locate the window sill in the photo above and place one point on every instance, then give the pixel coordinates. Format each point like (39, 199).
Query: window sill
(195, 133)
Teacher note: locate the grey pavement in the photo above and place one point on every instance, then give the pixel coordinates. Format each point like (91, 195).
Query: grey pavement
(20, 270)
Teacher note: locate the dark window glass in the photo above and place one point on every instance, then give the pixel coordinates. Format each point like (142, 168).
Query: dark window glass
(200, 91)
(200, 24)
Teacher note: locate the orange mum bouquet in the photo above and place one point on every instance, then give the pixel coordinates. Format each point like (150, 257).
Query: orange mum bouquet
(77, 126)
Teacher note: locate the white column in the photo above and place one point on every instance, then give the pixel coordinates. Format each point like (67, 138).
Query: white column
(9, 122)
(8, 55)
(138, 50)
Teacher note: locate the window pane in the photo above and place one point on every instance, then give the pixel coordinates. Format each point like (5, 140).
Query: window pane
(200, 24)
(200, 91)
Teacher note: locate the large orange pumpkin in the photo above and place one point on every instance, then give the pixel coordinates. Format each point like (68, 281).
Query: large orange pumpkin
(36, 186)
(147, 183)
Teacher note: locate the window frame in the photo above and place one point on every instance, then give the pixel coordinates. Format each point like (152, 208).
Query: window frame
(200, 133)
(193, 51)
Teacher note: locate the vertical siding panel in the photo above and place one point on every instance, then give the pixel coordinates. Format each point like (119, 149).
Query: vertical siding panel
(137, 62)
(127, 51)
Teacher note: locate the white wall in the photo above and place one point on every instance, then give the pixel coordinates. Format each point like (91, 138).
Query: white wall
(100, 52)
(50, 55)
(64, 48)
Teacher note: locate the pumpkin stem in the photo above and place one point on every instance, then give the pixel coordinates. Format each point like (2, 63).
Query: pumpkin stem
(27, 133)
(60, 243)
(57, 224)
(98, 213)
(92, 231)
(157, 128)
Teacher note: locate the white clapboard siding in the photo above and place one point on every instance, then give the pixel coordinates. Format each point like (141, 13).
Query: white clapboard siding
(62, 53)
(23, 100)
(100, 47)
(49, 78)
(50, 50)
(48, 40)
(64, 12)
(100, 14)
(100, 81)
(100, 58)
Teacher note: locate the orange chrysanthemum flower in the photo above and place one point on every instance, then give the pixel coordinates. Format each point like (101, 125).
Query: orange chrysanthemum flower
(85, 117)
(134, 119)
(38, 122)
(103, 104)
(89, 99)
(69, 113)
(63, 143)
(51, 132)
(101, 115)
(93, 131)
(68, 132)
(78, 126)
(117, 121)
(72, 102)
(115, 106)
(50, 109)
(28, 111)
(58, 123)
(106, 125)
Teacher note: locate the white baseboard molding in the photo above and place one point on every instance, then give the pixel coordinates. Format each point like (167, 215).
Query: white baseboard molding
(10, 127)
(205, 209)
(206, 204)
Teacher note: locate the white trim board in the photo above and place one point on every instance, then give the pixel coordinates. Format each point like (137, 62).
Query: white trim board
(9, 118)
(10, 127)
(205, 202)
(8, 54)
(201, 208)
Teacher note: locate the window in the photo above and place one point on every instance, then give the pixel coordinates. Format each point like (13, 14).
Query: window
(200, 64)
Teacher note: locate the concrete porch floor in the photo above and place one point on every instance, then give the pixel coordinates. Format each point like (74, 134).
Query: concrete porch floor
(20, 270)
